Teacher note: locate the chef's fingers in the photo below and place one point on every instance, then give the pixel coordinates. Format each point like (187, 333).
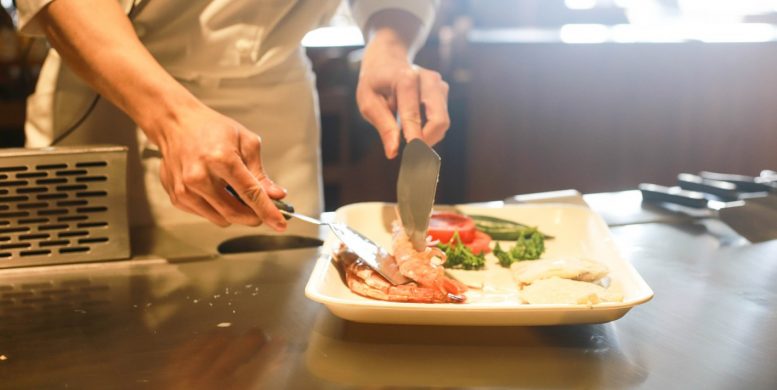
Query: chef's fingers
(250, 149)
(197, 205)
(434, 95)
(193, 204)
(392, 104)
(375, 109)
(251, 191)
(164, 178)
(408, 104)
(196, 180)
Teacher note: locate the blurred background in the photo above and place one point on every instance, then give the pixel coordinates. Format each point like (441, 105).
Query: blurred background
(595, 95)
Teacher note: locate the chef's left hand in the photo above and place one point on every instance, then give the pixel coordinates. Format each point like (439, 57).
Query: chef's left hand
(389, 84)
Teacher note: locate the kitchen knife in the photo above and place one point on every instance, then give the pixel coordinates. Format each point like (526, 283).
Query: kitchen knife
(416, 187)
(752, 220)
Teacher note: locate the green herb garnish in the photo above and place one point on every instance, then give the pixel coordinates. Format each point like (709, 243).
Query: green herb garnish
(459, 256)
(504, 257)
(529, 246)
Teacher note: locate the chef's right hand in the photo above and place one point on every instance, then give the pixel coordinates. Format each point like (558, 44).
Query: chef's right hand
(203, 152)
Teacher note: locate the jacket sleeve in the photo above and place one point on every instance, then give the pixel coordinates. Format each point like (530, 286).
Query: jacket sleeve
(423, 9)
(27, 9)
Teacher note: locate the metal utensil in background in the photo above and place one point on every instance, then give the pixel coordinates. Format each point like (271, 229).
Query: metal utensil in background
(758, 190)
(720, 190)
(743, 183)
(416, 187)
(369, 252)
(767, 175)
(751, 220)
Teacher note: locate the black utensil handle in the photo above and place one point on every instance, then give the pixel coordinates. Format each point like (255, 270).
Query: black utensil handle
(743, 183)
(676, 195)
(724, 190)
(278, 203)
(281, 205)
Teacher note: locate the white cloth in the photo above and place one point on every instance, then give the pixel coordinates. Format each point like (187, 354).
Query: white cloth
(241, 57)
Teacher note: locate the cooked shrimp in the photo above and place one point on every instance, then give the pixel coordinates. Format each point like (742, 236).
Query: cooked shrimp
(423, 267)
(364, 281)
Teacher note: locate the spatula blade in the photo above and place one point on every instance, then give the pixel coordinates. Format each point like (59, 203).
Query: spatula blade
(370, 253)
(416, 187)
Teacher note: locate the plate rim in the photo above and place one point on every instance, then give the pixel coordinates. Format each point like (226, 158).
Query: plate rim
(313, 290)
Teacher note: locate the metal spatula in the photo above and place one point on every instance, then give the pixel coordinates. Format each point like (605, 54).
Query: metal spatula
(370, 253)
(748, 218)
(416, 186)
(748, 188)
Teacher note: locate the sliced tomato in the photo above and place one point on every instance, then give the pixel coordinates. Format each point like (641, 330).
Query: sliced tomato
(443, 224)
(480, 244)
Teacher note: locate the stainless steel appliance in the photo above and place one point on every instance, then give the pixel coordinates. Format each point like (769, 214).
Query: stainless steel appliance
(63, 205)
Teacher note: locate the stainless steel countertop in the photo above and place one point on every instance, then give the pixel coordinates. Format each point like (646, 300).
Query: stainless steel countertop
(179, 316)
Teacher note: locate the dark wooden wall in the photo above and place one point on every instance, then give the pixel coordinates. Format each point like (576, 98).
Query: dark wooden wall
(609, 116)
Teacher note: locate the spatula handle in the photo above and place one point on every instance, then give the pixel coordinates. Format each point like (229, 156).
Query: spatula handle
(743, 183)
(676, 195)
(723, 190)
(281, 205)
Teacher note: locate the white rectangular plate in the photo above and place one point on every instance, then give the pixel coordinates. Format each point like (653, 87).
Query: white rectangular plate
(578, 232)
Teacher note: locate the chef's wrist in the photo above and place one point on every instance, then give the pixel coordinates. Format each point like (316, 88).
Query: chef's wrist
(386, 43)
(164, 113)
(395, 31)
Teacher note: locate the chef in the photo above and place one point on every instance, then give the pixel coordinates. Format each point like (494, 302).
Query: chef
(218, 93)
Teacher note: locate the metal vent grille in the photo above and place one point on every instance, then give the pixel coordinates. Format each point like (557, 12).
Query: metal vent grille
(62, 205)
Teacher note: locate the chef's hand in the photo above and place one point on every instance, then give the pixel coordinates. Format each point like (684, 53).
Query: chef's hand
(203, 152)
(389, 84)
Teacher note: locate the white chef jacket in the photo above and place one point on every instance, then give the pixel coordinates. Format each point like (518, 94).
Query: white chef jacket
(241, 57)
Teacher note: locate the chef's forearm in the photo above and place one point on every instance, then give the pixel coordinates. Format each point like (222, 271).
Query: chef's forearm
(395, 30)
(96, 39)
